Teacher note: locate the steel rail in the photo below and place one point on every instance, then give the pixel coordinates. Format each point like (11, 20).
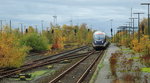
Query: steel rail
(89, 68)
(69, 69)
(39, 64)
(56, 79)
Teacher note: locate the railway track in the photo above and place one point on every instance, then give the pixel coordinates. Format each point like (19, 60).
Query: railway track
(42, 62)
(78, 72)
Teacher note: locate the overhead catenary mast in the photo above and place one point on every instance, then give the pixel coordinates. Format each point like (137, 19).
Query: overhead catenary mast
(148, 4)
(138, 13)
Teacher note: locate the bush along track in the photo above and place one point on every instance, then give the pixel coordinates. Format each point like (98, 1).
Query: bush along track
(43, 62)
(15, 44)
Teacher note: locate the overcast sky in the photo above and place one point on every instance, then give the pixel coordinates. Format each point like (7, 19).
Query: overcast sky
(96, 13)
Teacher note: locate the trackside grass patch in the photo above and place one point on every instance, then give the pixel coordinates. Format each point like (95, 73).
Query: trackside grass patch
(145, 70)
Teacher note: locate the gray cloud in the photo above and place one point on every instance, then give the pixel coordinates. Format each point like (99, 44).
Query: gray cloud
(94, 12)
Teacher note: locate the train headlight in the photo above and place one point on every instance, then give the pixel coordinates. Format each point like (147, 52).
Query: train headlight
(95, 41)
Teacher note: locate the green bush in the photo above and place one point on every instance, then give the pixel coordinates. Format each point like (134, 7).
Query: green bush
(35, 41)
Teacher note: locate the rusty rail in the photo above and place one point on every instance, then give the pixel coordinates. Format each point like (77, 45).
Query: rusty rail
(83, 76)
(69, 69)
(38, 64)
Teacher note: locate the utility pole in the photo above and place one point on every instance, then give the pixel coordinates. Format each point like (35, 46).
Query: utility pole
(1, 26)
(133, 19)
(36, 28)
(138, 13)
(126, 25)
(148, 4)
(130, 26)
(42, 25)
(115, 37)
(55, 20)
(24, 27)
(21, 24)
(111, 27)
(126, 31)
(50, 25)
(1, 21)
(71, 23)
(10, 25)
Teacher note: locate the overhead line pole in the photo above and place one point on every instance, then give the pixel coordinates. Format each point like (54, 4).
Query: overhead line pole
(133, 25)
(71, 24)
(148, 4)
(130, 26)
(21, 24)
(55, 20)
(1, 25)
(138, 13)
(131, 17)
(111, 28)
(42, 25)
(36, 28)
(126, 30)
(1, 21)
(10, 26)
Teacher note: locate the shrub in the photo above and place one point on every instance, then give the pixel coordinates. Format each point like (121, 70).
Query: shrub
(58, 39)
(12, 54)
(35, 41)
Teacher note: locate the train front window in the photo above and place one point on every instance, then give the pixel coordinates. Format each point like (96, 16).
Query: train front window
(99, 37)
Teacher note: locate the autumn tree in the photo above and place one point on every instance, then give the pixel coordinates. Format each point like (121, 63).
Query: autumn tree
(12, 53)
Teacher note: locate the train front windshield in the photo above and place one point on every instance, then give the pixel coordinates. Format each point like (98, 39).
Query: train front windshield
(99, 37)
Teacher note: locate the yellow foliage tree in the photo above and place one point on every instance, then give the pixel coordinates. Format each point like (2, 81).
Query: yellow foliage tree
(12, 54)
(58, 39)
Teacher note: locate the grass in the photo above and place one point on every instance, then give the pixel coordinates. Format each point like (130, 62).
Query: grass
(96, 73)
(145, 70)
(134, 58)
(127, 50)
(38, 73)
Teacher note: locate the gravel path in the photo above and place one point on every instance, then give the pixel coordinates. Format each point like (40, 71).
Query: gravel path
(104, 75)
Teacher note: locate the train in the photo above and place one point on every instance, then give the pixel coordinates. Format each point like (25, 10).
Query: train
(99, 40)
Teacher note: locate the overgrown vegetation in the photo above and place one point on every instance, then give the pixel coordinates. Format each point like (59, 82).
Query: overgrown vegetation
(134, 64)
(12, 53)
(113, 63)
(15, 45)
(35, 41)
(130, 40)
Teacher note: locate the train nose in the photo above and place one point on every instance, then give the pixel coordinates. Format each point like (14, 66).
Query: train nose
(99, 42)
